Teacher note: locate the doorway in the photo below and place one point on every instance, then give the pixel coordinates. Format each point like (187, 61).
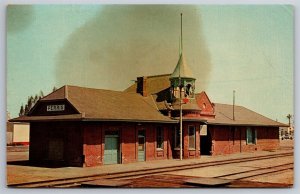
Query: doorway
(141, 146)
(112, 148)
(205, 143)
(56, 149)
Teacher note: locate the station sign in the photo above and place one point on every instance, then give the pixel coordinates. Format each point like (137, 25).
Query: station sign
(203, 130)
(55, 107)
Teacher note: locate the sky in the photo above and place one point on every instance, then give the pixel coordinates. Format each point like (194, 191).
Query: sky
(244, 48)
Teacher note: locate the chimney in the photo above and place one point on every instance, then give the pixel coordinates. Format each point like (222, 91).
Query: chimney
(141, 86)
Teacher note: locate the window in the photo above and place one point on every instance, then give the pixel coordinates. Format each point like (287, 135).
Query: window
(231, 135)
(177, 137)
(159, 138)
(189, 91)
(192, 136)
(251, 136)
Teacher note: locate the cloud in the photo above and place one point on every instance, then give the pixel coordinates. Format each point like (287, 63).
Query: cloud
(19, 17)
(123, 42)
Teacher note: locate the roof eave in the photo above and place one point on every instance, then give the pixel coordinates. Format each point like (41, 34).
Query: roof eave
(247, 124)
(130, 120)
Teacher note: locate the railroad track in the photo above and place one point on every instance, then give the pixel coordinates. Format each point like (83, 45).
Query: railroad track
(76, 181)
(244, 175)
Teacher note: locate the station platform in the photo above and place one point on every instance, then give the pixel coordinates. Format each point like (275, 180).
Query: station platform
(18, 173)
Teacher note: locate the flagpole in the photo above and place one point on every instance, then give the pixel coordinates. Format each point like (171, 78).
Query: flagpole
(180, 88)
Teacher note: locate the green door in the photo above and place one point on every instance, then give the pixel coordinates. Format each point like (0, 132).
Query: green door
(141, 146)
(111, 150)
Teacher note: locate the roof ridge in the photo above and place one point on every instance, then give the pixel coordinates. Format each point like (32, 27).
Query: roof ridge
(252, 111)
(229, 104)
(52, 92)
(66, 92)
(83, 87)
(159, 75)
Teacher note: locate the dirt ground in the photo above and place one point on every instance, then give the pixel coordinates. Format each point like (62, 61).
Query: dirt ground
(17, 173)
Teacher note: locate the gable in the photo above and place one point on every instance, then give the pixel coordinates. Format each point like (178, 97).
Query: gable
(207, 108)
(53, 107)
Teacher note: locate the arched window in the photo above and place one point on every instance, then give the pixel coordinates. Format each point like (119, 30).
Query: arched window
(188, 90)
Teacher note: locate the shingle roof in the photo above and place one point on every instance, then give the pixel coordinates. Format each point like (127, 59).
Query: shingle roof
(70, 117)
(107, 105)
(159, 85)
(182, 68)
(154, 84)
(243, 116)
(99, 104)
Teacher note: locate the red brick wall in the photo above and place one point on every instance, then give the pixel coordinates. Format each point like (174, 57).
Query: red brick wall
(129, 143)
(225, 143)
(93, 147)
(94, 144)
(268, 138)
(41, 133)
(84, 143)
(207, 111)
(150, 142)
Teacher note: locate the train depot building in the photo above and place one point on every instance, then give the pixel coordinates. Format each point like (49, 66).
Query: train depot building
(77, 126)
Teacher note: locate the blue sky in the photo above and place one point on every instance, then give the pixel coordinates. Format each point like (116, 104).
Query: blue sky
(244, 48)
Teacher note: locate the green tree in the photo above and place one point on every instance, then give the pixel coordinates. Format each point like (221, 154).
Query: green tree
(31, 101)
(22, 111)
(289, 116)
(54, 89)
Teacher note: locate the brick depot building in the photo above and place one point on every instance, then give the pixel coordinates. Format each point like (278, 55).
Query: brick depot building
(77, 126)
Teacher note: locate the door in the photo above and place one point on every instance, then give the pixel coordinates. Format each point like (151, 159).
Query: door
(56, 149)
(141, 146)
(111, 149)
(205, 141)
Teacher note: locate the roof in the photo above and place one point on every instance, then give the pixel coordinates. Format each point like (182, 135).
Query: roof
(243, 116)
(160, 85)
(182, 69)
(105, 105)
(70, 117)
(190, 105)
(154, 84)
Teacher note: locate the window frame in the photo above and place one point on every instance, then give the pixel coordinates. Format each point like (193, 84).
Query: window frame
(159, 138)
(194, 134)
(176, 137)
(250, 132)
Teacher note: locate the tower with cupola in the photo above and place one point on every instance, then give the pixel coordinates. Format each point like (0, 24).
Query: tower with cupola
(182, 80)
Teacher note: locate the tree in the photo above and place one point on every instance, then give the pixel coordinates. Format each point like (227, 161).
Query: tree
(289, 116)
(31, 101)
(22, 111)
(36, 98)
(41, 95)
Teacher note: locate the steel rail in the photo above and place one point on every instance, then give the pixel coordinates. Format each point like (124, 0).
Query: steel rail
(142, 172)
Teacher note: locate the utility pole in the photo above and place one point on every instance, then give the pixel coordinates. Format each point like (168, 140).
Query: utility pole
(233, 117)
